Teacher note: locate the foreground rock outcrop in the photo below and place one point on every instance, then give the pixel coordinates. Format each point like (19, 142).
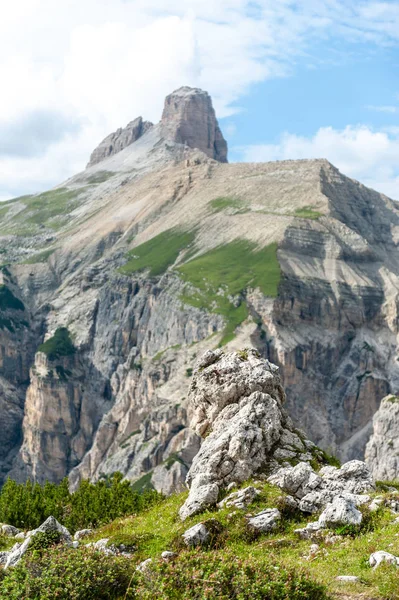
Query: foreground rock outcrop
(12, 558)
(236, 402)
(314, 490)
(382, 450)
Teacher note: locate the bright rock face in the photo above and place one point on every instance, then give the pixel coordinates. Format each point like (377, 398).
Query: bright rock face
(236, 404)
(382, 450)
(189, 118)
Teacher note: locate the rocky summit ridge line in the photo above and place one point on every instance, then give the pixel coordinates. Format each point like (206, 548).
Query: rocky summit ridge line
(132, 269)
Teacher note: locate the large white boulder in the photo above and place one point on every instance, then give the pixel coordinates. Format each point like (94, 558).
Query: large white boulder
(235, 401)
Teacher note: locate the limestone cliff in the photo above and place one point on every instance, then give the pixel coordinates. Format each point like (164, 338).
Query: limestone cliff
(120, 139)
(382, 450)
(158, 253)
(189, 118)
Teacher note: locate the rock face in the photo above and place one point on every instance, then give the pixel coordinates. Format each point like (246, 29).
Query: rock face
(62, 408)
(382, 450)
(189, 118)
(119, 139)
(236, 404)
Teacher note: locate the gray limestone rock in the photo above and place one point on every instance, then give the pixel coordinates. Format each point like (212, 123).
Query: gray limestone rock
(264, 521)
(169, 478)
(79, 535)
(341, 511)
(348, 578)
(119, 139)
(51, 524)
(382, 450)
(377, 558)
(9, 530)
(240, 499)
(315, 490)
(236, 404)
(144, 567)
(167, 555)
(198, 535)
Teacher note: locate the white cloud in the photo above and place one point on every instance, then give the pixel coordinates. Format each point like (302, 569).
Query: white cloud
(384, 109)
(359, 152)
(101, 63)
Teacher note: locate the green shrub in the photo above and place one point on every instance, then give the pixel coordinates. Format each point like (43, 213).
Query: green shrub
(43, 540)
(207, 575)
(58, 345)
(28, 505)
(68, 574)
(8, 301)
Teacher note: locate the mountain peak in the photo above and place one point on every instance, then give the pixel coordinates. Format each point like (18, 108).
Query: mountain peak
(119, 139)
(189, 118)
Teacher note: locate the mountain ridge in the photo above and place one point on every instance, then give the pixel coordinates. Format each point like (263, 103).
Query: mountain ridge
(292, 258)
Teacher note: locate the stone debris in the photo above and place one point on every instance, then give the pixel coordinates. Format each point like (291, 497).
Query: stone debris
(377, 558)
(240, 499)
(167, 555)
(341, 511)
(79, 535)
(265, 521)
(198, 535)
(315, 490)
(9, 530)
(145, 566)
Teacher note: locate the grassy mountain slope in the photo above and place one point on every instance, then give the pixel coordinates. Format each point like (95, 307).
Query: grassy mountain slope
(237, 563)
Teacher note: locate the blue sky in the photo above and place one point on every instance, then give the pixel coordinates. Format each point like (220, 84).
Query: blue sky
(289, 79)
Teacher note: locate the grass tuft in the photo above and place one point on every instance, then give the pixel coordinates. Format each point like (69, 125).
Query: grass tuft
(219, 278)
(159, 253)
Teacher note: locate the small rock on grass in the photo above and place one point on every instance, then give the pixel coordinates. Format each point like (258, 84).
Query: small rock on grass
(377, 558)
(264, 521)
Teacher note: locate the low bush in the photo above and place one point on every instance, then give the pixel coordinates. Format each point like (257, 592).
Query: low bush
(68, 574)
(58, 345)
(28, 505)
(206, 576)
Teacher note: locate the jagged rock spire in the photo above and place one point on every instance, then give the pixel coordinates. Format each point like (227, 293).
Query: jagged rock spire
(189, 118)
(119, 139)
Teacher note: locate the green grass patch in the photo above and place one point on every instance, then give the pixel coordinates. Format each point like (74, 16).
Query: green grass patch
(223, 203)
(40, 257)
(49, 209)
(228, 271)
(159, 253)
(307, 212)
(58, 345)
(8, 301)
